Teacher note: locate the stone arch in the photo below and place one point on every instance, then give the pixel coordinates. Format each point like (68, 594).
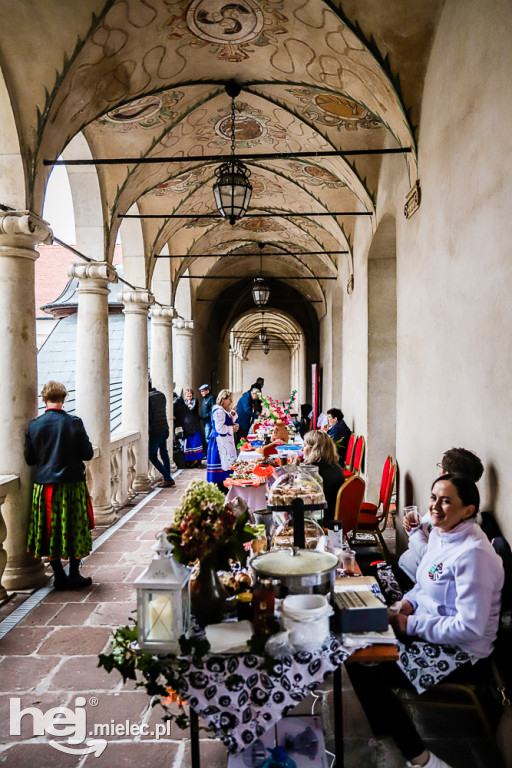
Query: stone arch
(382, 352)
(87, 204)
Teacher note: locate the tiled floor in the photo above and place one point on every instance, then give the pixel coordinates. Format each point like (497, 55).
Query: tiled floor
(50, 658)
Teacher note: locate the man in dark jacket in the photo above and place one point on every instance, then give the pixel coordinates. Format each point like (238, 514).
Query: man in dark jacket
(206, 410)
(246, 410)
(158, 434)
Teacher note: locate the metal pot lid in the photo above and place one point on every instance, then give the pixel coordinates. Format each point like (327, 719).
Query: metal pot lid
(294, 562)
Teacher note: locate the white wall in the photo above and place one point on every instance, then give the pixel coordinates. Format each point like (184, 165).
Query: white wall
(454, 260)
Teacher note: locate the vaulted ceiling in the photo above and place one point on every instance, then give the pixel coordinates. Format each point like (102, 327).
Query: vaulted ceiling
(145, 79)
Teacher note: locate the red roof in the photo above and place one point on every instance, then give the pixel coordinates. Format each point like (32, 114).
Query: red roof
(51, 271)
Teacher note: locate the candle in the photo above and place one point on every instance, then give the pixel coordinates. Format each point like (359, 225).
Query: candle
(160, 618)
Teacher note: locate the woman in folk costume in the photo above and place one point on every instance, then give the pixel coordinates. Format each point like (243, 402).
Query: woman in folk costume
(194, 444)
(221, 445)
(61, 518)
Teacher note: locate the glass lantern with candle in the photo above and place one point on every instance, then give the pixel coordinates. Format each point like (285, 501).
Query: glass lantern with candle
(163, 601)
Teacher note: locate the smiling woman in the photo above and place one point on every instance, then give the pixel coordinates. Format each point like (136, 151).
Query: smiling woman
(453, 498)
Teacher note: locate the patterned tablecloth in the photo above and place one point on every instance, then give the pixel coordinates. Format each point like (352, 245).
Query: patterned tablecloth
(239, 700)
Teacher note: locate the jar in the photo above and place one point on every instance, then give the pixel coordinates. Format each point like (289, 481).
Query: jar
(263, 600)
(244, 609)
(283, 533)
(259, 544)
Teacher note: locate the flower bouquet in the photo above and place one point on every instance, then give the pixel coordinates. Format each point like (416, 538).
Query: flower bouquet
(205, 530)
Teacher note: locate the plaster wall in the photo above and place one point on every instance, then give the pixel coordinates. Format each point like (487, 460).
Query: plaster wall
(275, 368)
(454, 266)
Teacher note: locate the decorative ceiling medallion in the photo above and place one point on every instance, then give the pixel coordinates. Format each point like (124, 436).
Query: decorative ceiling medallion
(315, 175)
(247, 128)
(334, 110)
(260, 225)
(180, 184)
(262, 186)
(252, 127)
(147, 112)
(231, 31)
(200, 222)
(220, 22)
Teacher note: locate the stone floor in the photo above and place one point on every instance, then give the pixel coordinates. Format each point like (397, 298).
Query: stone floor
(50, 658)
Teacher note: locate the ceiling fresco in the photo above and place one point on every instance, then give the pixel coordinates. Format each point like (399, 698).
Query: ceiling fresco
(145, 80)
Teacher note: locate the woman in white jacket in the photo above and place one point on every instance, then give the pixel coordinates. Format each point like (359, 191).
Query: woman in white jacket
(455, 602)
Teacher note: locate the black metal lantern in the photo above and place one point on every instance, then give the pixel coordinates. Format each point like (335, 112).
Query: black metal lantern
(262, 335)
(260, 292)
(266, 349)
(232, 190)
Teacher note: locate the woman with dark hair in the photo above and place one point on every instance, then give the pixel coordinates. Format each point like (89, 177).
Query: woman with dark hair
(194, 453)
(61, 518)
(450, 617)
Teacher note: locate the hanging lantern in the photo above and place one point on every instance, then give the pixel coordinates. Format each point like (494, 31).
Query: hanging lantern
(266, 349)
(262, 335)
(163, 601)
(260, 292)
(232, 190)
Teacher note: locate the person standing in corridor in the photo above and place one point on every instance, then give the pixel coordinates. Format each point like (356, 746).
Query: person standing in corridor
(158, 434)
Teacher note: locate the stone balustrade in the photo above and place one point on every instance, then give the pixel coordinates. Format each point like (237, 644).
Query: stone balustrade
(8, 484)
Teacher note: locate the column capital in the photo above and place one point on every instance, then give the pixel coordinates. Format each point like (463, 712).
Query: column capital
(23, 229)
(93, 276)
(183, 325)
(162, 315)
(136, 301)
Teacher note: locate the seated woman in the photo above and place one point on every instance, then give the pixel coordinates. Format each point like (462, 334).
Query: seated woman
(454, 606)
(339, 431)
(320, 450)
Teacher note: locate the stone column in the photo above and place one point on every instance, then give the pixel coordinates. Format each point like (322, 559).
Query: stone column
(93, 375)
(183, 353)
(161, 361)
(20, 232)
(135, 376)
(231, 375)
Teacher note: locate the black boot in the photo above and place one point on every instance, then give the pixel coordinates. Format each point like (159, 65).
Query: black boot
(76, 581)
(60, 580)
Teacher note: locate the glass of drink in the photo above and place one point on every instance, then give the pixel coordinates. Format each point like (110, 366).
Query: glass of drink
(412, 515)
(348, 561)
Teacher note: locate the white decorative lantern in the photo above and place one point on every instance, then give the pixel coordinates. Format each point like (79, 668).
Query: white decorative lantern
(163, 601)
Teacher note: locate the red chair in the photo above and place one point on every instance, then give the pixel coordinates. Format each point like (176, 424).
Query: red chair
(373, 518)
(358, 455)
(348, 503)
(349, 458)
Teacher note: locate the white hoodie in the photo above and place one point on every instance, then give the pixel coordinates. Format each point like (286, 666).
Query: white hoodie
(457, 596)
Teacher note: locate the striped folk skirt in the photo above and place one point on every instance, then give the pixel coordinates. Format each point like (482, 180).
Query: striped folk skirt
(61, 520)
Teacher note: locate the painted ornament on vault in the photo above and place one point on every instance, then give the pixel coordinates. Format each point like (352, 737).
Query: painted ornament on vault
(183, 183)
(251, 127)
(335, 110)
(260, 225)
(230, 30)
(147, 112)
(315, 175)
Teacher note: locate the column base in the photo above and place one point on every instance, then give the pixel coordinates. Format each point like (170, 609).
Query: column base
(104, 515)
(3, 594)
(27, 574)
(174, 467)
(142, 484)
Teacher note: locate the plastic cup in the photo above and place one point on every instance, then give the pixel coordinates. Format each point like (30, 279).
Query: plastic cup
(414, 516)
(348, 561)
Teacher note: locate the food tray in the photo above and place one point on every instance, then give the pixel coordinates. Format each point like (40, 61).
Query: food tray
(289, 507)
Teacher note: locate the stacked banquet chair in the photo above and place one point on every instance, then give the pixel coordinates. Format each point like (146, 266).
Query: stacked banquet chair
(355, 465)
(373, 518)
(349, 456)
